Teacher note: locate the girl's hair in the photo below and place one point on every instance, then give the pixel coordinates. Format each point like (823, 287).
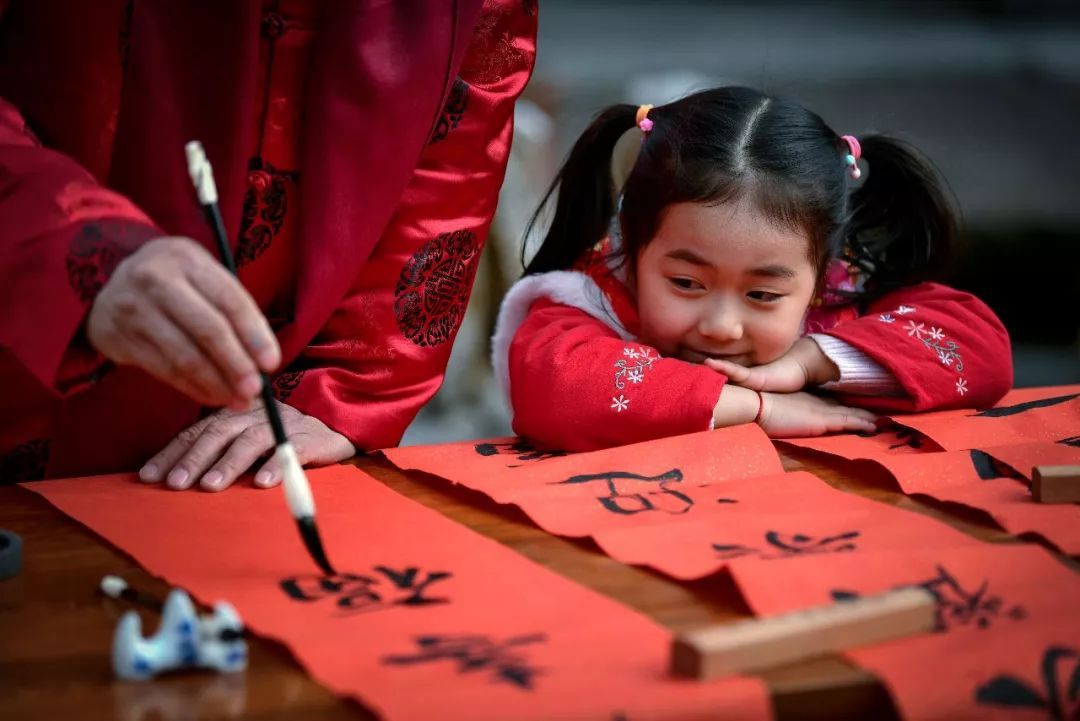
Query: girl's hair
(738, 144)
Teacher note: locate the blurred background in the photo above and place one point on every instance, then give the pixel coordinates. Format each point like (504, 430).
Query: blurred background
(989, 89)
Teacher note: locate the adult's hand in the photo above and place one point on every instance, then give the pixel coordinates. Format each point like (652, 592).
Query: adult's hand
(173, 310)
(220, 447)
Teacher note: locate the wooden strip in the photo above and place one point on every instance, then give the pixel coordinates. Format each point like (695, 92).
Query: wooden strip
(758, 644)
(1055, 484)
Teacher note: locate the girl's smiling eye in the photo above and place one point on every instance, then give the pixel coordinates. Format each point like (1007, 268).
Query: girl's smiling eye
(685, 283)
(764, 296)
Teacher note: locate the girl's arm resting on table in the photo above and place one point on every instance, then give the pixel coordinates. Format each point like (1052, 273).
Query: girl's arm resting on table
(576, 385)
(944, 348)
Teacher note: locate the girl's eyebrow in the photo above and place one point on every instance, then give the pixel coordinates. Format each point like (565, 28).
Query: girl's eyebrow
(688, 256)
(773, 270)
(776, 270)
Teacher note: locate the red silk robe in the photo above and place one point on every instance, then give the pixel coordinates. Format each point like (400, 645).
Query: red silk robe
(358, 148)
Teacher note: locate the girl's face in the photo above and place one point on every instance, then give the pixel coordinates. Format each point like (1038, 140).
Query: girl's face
(723, 282)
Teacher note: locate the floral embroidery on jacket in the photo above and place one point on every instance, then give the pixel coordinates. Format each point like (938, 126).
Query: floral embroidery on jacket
(632, 368)
(947, 351)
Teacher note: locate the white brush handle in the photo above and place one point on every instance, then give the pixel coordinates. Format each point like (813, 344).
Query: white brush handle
(113, 586)
(297, 490)
(202, 175)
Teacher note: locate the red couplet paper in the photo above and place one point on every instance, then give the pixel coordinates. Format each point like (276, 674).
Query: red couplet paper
(891, 440)
(426, 619)
(682, 505)
(975, 479)
(1023, 457)
(1027, 415)
(1017, 671)
(787, 516)
(580, 494)
(1008, 637)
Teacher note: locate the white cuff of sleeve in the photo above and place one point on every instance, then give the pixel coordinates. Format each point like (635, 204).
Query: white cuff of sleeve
(859, 373)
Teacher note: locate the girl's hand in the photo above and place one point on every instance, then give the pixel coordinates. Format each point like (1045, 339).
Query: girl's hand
(220, 447)
(797, 415)
(804, 364)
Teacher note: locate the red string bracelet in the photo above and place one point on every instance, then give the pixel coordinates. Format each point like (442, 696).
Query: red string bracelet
(760, 407)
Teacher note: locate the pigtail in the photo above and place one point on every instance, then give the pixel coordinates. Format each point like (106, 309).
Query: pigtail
(902, 228)
(585, 194)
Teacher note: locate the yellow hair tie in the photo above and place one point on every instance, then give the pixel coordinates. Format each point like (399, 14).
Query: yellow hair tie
(642, 118)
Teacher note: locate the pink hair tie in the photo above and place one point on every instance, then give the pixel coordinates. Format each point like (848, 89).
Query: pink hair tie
(642, 119)
(854, 153)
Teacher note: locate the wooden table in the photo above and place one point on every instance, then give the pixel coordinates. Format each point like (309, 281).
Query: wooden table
(56, 629)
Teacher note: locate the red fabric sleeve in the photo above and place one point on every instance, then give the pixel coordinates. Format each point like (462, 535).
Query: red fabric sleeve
(63, 235)
(945, 347)
(576, 386)
(384, 351)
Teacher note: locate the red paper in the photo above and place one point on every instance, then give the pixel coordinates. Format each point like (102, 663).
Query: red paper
(1026, 415)
(1018, 672)
(973, 479)
(893, 440)
(783, 517)
(1023, 458)
(689, 511)
(1000, 610)
(436, 622)
(577, 495)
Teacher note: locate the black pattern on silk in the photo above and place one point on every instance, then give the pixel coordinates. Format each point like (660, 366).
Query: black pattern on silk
(433, 288)
(26, 462)
(123, 40)
(453, 111)
(285, 383)
(97, 248)
(265, 204)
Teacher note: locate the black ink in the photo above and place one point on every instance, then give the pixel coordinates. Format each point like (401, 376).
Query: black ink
(366, 593)
(477, 653)
(955, 606)
(1021, 407)
(523, 449)
(797, 544)
(1074, 441)
(985, 466)
(904, 436)
(631, 503)
(1060, 702)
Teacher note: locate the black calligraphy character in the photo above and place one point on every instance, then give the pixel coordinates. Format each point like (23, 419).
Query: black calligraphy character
(523, 449)
(955, 606)
(795, 544)
(727, 552)
(630, 503)
(477, 653)
(1059, 700)
(365, 593)
(986, 467)
(1074, 441)
(1021, 407)
(905, 437)
(406, 581)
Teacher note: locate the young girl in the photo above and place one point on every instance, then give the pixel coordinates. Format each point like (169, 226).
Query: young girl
(743, 262)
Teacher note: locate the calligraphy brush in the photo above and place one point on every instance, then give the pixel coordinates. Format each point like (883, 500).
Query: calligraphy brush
(297, 490)
(118, 588)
